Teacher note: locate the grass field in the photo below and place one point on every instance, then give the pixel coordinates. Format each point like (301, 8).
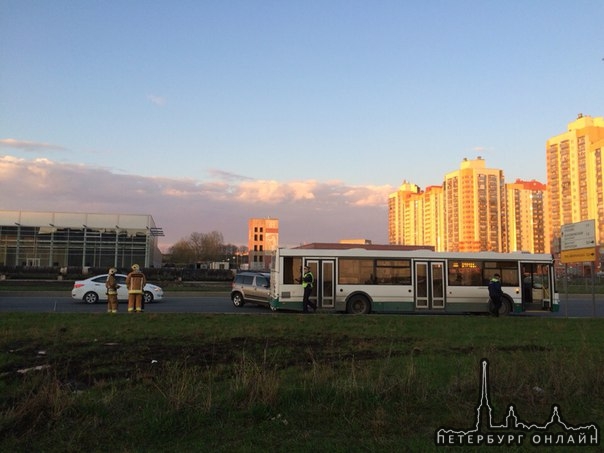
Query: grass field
(285, 382)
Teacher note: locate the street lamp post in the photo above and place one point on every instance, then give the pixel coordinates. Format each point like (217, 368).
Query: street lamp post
(117, 235)
(17, 248)
(84, 249)
(52, 243)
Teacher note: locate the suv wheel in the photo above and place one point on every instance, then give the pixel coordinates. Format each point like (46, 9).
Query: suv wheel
(237, 299)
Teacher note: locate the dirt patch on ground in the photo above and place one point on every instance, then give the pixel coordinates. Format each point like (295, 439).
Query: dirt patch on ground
(87, 363)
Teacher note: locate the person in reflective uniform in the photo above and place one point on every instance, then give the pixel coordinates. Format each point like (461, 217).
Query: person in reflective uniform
(495, 293)
(308, 281)
(112, 286)
(135, 282)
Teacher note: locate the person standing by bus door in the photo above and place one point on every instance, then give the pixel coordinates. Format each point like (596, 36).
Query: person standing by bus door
(112, 286)
(308, 281)
(135, 282)
(495, 293)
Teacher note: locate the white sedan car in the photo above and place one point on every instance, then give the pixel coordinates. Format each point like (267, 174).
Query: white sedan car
(93, 290)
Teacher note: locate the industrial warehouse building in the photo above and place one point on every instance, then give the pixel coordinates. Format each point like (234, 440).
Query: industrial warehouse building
(75, 239)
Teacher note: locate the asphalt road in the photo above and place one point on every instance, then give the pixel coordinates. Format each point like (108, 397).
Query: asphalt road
(570, 305)
(181, 303)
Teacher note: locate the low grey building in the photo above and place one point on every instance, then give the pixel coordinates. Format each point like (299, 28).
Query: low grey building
(73, 239)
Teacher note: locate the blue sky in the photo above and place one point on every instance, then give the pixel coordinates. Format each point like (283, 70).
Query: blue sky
(206, 113)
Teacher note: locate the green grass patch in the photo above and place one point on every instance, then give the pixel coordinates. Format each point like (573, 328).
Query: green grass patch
(281, 382)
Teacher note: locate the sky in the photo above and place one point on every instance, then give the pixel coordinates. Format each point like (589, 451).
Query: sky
(206, 113)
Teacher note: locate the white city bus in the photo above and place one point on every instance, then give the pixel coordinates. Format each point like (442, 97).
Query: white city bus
(418, 281)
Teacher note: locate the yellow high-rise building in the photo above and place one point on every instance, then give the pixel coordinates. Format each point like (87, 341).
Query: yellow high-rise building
(400, 210)
(475, 207)
(434, 217)
(473, 210)
(575, 176)
(528, 226)
(416, 217)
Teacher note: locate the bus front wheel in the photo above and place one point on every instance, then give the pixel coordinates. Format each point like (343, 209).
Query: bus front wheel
(358, 305)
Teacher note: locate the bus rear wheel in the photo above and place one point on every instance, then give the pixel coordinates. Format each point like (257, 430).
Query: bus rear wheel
(358, 305)
(506, 306)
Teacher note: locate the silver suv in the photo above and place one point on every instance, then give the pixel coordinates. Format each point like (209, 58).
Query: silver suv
(251, 287)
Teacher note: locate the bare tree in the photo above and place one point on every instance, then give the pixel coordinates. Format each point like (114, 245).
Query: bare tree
(213, 246)
(181, 252)
(205, 247)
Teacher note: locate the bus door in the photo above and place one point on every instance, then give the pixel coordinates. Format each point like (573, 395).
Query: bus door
(536, 286)
(429, 285)
(323, 292)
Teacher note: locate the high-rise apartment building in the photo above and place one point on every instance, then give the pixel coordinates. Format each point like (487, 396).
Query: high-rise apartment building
(401, 208)
(475, 207)
(574, 176)
(528, 225)
(434, 218)
(473, 210)
(416, 217)
(263, 240)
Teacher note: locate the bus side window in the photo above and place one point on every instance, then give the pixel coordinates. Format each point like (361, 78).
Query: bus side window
(476, 277)
(509, 277)
(292, 268)
(465, 273)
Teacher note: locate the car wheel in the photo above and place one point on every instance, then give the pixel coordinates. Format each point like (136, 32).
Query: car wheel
(91, 297)
(237, 299)
(147, 297)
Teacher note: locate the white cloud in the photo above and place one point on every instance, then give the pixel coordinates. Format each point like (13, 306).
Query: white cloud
(160, 101)
(308, 211)
(27, 145)
(226, 175)
(262, 191)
